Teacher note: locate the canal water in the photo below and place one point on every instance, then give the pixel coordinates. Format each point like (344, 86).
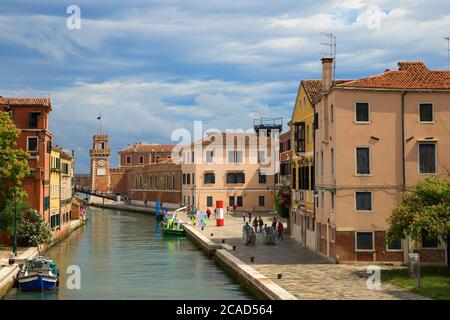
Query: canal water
(124, 255)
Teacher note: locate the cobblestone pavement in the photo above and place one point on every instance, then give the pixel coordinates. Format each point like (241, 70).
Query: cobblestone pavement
(305, 274)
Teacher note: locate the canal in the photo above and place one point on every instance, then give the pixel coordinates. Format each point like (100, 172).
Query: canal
(123, 255)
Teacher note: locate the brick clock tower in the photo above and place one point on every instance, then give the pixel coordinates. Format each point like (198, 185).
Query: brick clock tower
(100, 163)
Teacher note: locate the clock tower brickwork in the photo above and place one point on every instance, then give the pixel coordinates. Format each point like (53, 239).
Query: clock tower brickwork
(100, 163)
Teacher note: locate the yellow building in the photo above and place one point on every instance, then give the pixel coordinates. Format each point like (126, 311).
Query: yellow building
(66, 183)
(55, 188)
(302, 179)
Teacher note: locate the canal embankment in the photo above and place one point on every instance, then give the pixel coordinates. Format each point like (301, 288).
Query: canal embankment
(252, 280)
(9, 272)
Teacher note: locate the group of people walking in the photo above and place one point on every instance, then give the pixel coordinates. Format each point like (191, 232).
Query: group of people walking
(277, 225)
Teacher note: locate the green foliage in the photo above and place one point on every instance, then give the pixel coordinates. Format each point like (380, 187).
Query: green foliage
(33, 230)
(7, 215)
(422, 212)
(434, 281)
(13, 169)
(283, 201)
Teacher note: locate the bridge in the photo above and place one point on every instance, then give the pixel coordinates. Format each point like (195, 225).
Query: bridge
(89, 191)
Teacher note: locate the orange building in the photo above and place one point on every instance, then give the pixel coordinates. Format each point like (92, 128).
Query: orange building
(30, 115)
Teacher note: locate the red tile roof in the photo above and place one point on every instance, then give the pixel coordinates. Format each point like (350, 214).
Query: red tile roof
(146, 147)
(410, 75)
(38, 102)
(313, 88)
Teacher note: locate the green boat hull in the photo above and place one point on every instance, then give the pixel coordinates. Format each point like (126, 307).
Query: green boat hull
(177, 232)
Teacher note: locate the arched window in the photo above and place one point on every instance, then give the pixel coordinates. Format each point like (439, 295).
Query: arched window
(173, 181)
(156, 181)
(150, 182)
(167, 181)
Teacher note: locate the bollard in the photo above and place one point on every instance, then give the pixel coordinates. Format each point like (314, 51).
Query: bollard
(11, 261)
(252, 259)
(279, 275)
(234, 247)
(223, 240)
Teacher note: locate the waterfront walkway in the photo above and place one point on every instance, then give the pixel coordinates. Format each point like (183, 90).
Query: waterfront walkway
(305, 274)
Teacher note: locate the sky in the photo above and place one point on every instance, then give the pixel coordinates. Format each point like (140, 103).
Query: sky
(150, 67)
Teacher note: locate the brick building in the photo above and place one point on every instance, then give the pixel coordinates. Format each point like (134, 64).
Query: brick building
(30, 115)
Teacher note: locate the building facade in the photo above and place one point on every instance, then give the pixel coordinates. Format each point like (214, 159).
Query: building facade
(284, 175)
(228, 167)
(374, 138)
(302, 215)
(30, 115)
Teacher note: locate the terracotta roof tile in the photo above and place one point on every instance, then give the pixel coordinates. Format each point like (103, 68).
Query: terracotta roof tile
(410, 75)
(147, 147)
(313, 88)
(44, 102)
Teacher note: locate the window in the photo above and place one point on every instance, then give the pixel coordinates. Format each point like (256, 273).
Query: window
(261, 157)
(235, 177)
(32, 144)
(427, 158)
(426, 113)
(262, 201)
(332, 161)
(231, 157)
(363, 201)
(231, 201)
(332, 113)
(316, 120)
(362, 112)
(321, 163)
(299, 135)
(193, 178)
(332, 200)
(395, 245)
(364, 241)
(332, 234)
(173, 181)
(54, 220)
(307, 135)
(184, 178)
(362, 161)
(239, 202)
(262, 178)
(46, 203)
(188, 178)
(429, 243)
(322, 199)
(128, 160)
(209, 201)
(209, 178)
(33, 119)
(239, 158)
(141, 159)
(209, 156)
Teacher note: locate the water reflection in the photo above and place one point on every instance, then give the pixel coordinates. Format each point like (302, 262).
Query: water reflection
(124, 256)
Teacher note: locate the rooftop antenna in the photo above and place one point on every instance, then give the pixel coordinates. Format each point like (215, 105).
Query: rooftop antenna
(332, 54)
(448, 51)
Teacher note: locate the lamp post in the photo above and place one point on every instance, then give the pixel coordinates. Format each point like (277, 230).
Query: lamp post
(15, 229)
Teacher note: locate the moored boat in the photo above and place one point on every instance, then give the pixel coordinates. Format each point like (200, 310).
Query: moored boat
(38, 274)
(171, 225)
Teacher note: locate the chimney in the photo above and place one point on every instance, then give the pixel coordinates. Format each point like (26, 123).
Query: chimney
(327, 73)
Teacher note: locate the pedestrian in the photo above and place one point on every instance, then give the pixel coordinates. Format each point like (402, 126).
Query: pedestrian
(280, 229)
(250, 217)
(234, 209)
(261, 223)
(274, 224)
(208, 212)
(243, 216)
(255, 224)
(145, 203)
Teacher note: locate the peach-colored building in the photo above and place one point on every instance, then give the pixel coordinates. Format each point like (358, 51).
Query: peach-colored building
(374, 138)
(228, 167)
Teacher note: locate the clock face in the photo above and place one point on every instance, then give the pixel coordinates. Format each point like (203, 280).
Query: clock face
(101, 163)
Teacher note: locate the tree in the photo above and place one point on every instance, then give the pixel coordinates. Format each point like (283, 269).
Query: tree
(13, 169)
(33, 229)
(423, 212)
(283, 201)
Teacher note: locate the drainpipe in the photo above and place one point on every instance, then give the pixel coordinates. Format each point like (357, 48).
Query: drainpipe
(403, 141)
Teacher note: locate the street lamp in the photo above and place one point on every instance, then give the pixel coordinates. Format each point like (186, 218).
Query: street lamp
(15, 229)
